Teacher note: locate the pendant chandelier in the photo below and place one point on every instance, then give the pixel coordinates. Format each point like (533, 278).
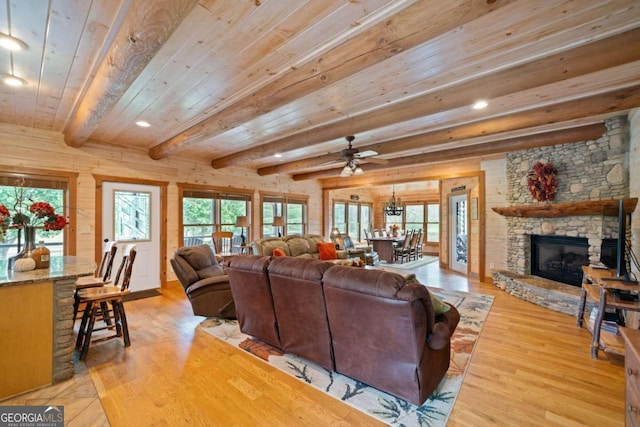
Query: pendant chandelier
(394, 207)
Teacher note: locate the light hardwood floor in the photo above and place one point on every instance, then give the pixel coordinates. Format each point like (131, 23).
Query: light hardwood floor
(531, 367)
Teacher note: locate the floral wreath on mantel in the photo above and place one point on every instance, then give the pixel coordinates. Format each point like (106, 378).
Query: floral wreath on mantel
(542, 182)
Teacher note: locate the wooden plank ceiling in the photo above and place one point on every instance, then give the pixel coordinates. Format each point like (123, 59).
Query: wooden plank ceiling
(239, 82)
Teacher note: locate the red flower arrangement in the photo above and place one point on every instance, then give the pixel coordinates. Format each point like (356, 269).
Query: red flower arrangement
(38, 214)
(542, 182)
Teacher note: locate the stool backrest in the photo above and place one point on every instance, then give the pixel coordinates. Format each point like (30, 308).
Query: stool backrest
(108, 256)
(123, 276)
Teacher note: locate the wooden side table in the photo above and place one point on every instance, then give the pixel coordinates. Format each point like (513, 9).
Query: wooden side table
(595, 286)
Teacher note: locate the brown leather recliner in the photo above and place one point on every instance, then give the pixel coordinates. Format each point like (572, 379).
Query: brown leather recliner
(252, 295)
(204, 281)
(385, 332)
(296, 285)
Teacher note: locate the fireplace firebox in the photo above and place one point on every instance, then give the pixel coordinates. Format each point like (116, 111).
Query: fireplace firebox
(560, 258)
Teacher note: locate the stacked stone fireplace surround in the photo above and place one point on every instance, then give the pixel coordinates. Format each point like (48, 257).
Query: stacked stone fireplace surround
(587, 170)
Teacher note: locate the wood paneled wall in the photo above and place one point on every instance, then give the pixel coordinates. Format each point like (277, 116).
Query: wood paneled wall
(495, 225)
(30, 147)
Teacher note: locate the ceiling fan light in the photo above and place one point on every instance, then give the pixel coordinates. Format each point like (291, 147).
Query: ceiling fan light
(346, 172)
(358, 171)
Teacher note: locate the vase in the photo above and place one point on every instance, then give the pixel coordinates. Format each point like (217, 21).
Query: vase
(28, 248)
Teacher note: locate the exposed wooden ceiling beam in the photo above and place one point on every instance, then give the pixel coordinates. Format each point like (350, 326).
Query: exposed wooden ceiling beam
(378, 43)
(146, 28)
(619, 100)
(583, 133)
(562, 66)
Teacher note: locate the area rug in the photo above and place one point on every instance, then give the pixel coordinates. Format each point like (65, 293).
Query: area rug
(411, 264)
(389, 409)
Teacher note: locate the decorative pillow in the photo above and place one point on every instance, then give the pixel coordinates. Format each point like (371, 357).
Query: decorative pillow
(278, 252)
(327, 251)
(438, 305)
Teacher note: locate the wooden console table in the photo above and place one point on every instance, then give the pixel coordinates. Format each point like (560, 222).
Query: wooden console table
(595, 286)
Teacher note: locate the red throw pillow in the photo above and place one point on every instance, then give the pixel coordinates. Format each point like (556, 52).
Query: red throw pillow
(278, 252)
(327, 250)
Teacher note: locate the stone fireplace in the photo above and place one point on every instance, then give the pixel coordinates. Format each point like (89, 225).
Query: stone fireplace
(588, 172)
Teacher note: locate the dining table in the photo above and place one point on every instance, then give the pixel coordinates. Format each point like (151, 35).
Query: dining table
(384, 246)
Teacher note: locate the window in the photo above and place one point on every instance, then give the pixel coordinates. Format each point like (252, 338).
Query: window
(205, 211)
(414, 217)
(433, 223)
(340, 217)
(352, 218)
(47, 187)
(132, 220)
(292, 210)
(425, 216)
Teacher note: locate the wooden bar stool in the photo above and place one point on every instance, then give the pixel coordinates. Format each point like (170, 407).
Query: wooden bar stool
(101, 277)
(97, 301)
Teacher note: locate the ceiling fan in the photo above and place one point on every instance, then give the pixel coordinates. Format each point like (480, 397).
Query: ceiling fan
(352, 156)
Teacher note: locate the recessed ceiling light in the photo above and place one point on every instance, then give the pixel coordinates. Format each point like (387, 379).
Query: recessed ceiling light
(278, 155)
(12, 80)
(479, 105)
(11, 43)
(143, 124)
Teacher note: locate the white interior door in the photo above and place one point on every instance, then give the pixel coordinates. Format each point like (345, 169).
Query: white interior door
(131, 214)
(458, 234)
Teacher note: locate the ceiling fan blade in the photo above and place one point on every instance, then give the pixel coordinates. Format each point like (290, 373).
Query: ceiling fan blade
(376, 160)
(330, 162)
(367, 153)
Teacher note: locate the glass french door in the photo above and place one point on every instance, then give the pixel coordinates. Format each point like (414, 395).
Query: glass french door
(458, 235)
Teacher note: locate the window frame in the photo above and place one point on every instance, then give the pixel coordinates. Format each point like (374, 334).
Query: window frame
(70, 196)
(218, 194)
(284, 200)
(357, 235)
(425, 224)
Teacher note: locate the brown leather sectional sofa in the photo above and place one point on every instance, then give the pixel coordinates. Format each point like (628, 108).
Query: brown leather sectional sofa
(370, 325)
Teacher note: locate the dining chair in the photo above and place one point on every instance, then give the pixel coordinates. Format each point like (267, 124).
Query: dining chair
(101, 277)
(420, 245)
(367, 236)
(413, 246)
(403, 251)
(222, 243)
(105, 304)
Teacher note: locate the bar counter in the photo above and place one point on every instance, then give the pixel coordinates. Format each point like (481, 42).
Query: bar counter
(36, 324)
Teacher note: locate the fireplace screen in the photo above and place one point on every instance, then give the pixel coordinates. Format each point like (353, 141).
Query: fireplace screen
(559, 258)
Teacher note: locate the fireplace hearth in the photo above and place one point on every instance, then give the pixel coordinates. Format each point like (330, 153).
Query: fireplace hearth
(560, 258)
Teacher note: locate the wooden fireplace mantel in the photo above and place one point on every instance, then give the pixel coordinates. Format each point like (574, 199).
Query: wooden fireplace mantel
(553, 210)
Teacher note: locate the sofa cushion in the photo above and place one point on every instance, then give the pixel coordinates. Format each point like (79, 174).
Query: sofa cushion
(298, 245)
(313, 240)
(266, 246)
(278, 252)
(327, 251)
